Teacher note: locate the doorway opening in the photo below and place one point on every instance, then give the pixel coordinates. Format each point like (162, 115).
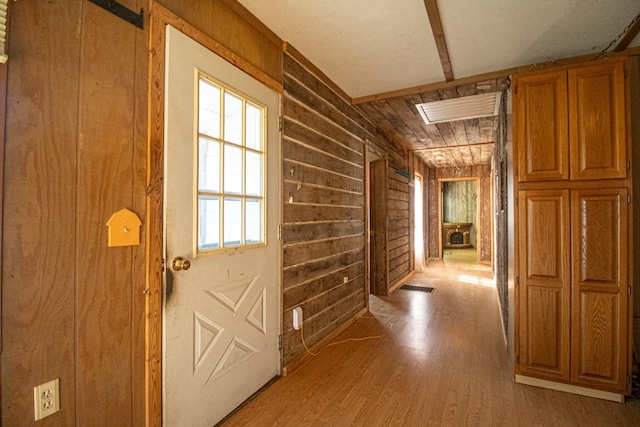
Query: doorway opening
(459, 224)
(418, 230)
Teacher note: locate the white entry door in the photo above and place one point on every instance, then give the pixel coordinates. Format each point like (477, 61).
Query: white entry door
(222, 283)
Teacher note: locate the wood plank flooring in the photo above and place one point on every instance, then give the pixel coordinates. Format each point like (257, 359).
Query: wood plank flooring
(442, 361)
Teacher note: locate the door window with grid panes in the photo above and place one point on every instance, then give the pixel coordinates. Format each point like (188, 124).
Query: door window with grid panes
(230, 168)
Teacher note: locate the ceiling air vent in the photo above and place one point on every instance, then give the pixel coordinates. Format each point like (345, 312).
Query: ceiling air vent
(3, 31)
(466, 107)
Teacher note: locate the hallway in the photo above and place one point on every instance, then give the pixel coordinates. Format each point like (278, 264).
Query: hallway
(441, 361)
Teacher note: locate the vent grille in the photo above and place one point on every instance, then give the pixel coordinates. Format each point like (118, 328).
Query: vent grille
(466, 107)
(3, 31)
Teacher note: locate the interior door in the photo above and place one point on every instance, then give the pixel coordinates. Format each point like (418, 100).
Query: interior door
(222, 290)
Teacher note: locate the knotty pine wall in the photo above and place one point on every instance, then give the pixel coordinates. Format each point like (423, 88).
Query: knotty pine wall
(485, 202)
(75, 153)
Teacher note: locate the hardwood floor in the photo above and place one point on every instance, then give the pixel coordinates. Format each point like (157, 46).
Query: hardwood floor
(442, 361)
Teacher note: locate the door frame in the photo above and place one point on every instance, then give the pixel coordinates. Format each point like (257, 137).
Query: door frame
(441, 205)
(160, 17)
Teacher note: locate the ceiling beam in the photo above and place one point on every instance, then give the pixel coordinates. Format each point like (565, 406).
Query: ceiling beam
(438, 35)
(628, 36)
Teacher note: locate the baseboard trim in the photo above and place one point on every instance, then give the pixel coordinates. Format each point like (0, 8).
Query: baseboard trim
(568, 388)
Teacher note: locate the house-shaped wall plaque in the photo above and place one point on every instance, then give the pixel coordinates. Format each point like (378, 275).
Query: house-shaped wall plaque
(124, 228)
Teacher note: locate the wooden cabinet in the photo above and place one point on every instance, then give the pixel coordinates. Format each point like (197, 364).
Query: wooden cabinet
(545, 296)
(584, 105)
(573, 285)
(541, 126)
(599, 287)
(597, 122)
(573, 214)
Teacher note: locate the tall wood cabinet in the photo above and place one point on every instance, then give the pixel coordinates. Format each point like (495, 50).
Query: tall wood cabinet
(573, 222)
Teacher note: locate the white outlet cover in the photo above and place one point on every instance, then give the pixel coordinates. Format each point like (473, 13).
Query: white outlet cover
(297, 318)
(46, 399)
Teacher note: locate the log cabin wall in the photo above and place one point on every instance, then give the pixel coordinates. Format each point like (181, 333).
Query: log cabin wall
(76, 127)
(485, 212)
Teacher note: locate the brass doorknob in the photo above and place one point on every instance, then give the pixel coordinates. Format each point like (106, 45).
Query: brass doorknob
(179, 263)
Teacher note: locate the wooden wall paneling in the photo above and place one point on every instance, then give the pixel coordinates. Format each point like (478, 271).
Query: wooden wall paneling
(432, 187)
(154, 223)
(233, 27)
(323, 232)
(382, 122)
(310, 69)
(39, 248)
(500, 209)
(319, 326)
(300, 69)
(139, 205)
(399, 220)
(485, 214)
(104, 289)
(210, 35)
(3, 117)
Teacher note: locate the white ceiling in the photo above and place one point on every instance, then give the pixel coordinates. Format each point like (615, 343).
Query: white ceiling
(369, 47)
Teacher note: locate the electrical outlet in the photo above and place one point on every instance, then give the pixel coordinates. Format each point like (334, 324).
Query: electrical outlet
(345, 279)
(297, 318)
(46, 399)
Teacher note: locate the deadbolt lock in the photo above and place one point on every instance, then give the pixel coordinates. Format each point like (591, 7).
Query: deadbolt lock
(180, 264)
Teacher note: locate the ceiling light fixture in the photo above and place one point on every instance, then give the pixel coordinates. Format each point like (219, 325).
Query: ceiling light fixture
(463, 108)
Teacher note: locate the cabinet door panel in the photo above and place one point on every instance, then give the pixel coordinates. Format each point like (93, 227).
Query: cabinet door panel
(544, 273)
(597, 121)
(540, 115)
(599, 287)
